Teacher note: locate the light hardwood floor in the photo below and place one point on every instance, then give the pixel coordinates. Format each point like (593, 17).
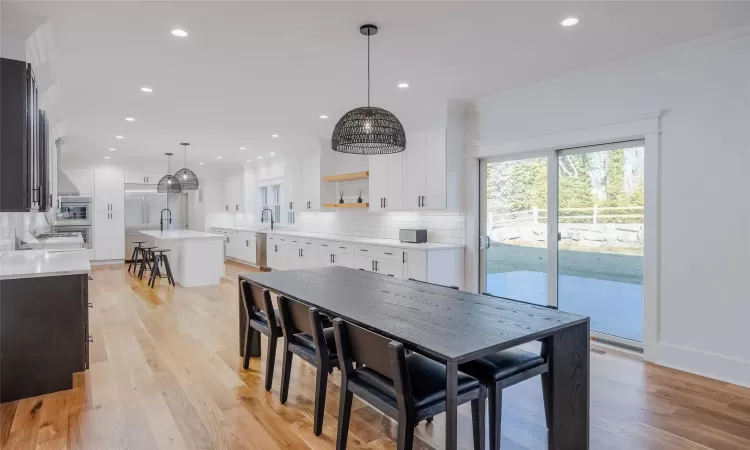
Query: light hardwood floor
(165, 374)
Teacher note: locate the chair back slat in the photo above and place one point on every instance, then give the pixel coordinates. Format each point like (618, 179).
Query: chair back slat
(297, 315)
(253, 296)
(370, 349)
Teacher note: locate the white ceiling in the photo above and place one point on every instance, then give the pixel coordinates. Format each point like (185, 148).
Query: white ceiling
(248, 70)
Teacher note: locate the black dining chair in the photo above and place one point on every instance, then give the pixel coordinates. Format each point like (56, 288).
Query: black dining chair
(261, 316)
(305, 337)
(407, 388)
(504, 369)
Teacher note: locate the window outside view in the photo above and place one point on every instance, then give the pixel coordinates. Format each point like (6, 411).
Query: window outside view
(600, 221)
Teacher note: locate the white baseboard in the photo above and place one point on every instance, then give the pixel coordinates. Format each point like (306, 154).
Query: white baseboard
(104, 262)
(710, 365)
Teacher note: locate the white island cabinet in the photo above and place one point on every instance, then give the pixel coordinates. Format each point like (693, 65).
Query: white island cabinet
(196, 258)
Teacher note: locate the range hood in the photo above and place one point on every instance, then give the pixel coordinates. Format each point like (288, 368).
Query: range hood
(65, 187)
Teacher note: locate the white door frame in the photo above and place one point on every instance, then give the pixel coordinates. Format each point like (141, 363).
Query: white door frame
(646, 127)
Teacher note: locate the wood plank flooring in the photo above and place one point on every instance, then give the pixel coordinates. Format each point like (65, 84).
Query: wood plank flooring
(165, 374)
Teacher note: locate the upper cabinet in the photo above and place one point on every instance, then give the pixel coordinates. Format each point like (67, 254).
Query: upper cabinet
(425, 174)
(109, 189)
(234, 193)
(24, 181)
(142, 177)
(386, 182)
(308, 186)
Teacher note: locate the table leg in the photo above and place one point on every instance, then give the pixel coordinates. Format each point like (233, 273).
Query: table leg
(569, 388)
(451, 405)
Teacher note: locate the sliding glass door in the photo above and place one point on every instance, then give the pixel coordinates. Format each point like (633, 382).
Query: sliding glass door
(516, 220)
(592, 199)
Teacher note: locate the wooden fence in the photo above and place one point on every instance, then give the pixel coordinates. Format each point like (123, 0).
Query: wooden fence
(592, 215)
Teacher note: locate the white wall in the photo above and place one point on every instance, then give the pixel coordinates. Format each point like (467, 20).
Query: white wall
(702, 294)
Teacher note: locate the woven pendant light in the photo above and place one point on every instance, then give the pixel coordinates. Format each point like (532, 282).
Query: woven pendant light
(368, 130)
(187, 178)
(168, 183)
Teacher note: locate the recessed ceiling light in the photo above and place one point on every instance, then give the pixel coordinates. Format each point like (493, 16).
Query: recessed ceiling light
(323, 116)
(179, 33)
(201, 163)
(272, 153)
(260, 157)
(119, 137)
(403, 85)
(243, 148)
(218, 157)
(106, 157)
(274, 135)
(147, 89)
(569, 22)
(129, 119)
(247, 160)
(113, 149)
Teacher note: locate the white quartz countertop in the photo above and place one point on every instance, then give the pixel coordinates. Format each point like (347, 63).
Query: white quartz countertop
(43, 263)
(351, 239)
(181, 234)
(37, 243)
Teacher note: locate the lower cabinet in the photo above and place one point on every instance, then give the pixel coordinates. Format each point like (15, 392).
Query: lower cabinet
(44, 334)
(109, 235)
(444, 266)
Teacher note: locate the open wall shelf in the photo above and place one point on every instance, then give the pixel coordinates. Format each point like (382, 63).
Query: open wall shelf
(347, 177)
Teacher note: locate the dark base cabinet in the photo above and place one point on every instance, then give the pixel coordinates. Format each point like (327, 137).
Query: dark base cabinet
(43, 334)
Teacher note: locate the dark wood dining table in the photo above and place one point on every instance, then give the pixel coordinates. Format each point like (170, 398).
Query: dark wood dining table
(451, 327)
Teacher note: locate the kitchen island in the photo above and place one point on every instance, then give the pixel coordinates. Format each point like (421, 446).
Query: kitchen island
(196, 258)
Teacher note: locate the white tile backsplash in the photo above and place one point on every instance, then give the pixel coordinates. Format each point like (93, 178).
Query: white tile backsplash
(442, 227)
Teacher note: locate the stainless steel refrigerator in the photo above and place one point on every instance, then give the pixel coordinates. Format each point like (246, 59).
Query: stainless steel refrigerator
(143, 206)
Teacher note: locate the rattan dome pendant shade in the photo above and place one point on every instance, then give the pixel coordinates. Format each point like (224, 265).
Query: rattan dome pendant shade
(368, 130)
(187, 178)
(168, 183)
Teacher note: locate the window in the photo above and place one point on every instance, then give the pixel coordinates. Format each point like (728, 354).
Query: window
(270, 197)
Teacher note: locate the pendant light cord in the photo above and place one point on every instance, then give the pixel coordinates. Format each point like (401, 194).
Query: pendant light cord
(368, 68)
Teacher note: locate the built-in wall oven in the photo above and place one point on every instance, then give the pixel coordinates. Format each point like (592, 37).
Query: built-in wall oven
(74, 211)
(74, 216)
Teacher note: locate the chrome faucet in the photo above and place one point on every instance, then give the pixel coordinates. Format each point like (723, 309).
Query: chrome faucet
(263, 212)
(161, 218)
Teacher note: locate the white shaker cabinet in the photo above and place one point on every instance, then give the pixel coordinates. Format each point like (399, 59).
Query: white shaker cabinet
(142, 177)
(234, 193)
(425, 172)
(386, 182)
(307, 181)
(109, 214)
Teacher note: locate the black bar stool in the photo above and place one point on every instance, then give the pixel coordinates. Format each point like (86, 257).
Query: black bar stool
(137, 253)
(147, 257)
(159, 259)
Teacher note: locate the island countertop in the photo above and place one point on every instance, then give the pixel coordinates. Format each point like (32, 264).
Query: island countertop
(43, 263)
(181, 234)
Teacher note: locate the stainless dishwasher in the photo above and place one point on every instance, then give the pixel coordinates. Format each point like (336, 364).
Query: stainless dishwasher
(261, 254)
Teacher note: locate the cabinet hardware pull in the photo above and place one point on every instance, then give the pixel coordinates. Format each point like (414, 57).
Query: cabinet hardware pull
(362, 250)
(376, 266)
(419, 201)
(423, 198)
(91, 338)
(403, 257)
(91, 305)
(342, 248)
(372, 264)
(388, 253)
(334, 258)
(385, 202)
(247, 243)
